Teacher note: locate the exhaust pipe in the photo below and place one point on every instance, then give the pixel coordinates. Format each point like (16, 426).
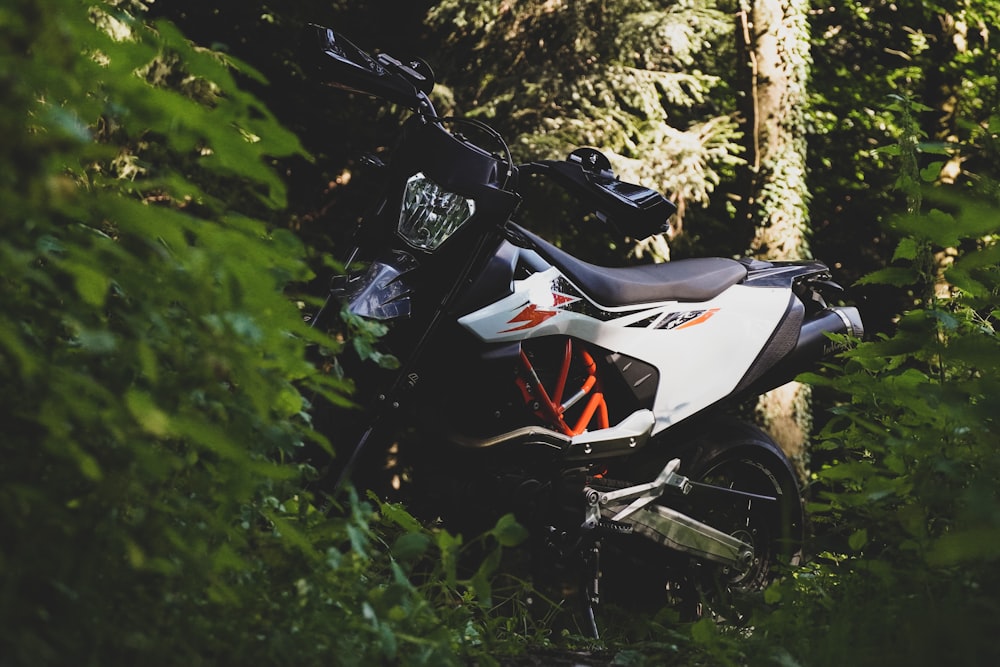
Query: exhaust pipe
(812, 345)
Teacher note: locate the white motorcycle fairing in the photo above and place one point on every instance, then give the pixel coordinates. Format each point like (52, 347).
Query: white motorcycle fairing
(691, 344)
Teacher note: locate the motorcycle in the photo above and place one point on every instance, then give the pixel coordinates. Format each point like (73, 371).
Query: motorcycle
(587, 400)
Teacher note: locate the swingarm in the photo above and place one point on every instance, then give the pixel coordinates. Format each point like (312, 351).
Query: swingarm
(632, 509)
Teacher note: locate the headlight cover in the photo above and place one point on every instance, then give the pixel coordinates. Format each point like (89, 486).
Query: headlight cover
(430, 214)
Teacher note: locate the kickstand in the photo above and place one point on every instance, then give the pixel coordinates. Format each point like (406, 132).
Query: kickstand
(592, 595)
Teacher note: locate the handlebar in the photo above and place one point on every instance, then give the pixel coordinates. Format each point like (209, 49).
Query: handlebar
(636, 210)
(346, 66)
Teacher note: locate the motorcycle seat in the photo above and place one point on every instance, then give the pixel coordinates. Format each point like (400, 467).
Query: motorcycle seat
(696, 279)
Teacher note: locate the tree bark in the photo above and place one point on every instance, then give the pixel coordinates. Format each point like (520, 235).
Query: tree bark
(775, 45)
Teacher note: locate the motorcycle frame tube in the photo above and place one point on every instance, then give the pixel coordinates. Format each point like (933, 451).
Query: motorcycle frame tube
(552, 408)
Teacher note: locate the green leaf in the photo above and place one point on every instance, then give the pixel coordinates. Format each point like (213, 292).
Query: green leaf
(411, 546)
(704, 631)
(359, 541)
(480, 585)
(508, 532)
(931, 172)
(847, 471)
(772, 594)
(892, 275)
(88, 465)
(858, 539)
(67, 123)
(96, 341)
(448, 545)
(293, 537)
(91, 284)
(907, 249)
(934, 147)
(13, 347)
(150, 417)
(935, 226)
(981, 543)
(398, 515)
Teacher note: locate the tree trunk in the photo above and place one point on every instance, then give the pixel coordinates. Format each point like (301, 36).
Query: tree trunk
(775, 43)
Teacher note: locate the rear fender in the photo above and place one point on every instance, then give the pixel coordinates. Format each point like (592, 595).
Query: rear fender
(726, 435)
(728, 439)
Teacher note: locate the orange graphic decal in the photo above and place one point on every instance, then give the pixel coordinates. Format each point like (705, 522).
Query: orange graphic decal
(701, 319)
(531, 316)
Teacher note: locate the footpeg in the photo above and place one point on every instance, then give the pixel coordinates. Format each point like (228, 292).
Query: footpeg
(641, 495)
(623, 438)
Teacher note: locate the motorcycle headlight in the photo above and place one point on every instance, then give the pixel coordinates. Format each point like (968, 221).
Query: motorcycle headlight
(431, 214)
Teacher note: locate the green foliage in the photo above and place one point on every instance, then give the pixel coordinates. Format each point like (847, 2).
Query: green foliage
(364, 338)
(868, 59)
(474, 591)
(907, 510)
(155, 379)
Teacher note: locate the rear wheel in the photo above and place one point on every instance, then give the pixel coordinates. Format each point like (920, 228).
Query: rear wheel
(772, 527)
